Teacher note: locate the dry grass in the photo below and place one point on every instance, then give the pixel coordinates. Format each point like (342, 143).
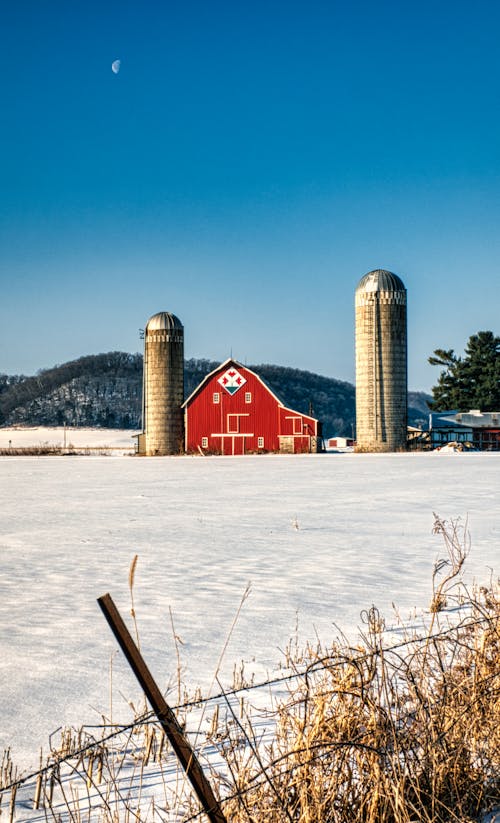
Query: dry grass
(378, 733)
(30, 451)
(46, 450)
(386, 735)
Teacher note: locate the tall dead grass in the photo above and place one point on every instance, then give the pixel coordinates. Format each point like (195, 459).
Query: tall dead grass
(47, 450)
(378, 734)
(392, 730)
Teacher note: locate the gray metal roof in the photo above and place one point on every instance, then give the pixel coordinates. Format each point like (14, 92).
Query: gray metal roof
(380, 280)
(473, 419)
(163, 320)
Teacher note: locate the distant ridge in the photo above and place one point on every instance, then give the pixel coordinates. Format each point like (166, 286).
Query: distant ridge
(106, 390)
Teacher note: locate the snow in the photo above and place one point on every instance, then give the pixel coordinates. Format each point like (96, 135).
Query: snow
(455, 447)
(17, 437)
(320, 537)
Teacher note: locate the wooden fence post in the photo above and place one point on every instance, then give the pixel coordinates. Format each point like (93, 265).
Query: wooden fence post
(164, 713)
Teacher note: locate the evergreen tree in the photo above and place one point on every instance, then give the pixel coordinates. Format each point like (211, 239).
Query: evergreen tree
(471, 382)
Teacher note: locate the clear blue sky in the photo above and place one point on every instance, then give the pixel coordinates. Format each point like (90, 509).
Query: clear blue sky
(248, 164)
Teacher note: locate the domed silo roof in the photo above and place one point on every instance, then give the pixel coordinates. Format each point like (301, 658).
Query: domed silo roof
(163, 320)
(380, 280)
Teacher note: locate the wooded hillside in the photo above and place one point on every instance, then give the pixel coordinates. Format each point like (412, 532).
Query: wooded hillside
(106, 390)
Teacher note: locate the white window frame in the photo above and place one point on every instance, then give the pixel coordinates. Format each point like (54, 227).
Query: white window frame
(216, 397)
(248, 397)
(260, 442)
(204, 442)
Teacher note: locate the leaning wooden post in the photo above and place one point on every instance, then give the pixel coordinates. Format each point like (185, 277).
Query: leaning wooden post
(166, 716)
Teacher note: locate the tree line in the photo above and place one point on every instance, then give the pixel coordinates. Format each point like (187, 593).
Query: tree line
(106, 390)
(471, 381)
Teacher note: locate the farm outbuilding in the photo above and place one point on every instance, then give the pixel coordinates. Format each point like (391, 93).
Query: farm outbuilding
(340, 443)
(234, 412)
(478, 429)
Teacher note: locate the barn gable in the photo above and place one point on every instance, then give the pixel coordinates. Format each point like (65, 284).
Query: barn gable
(233, 411)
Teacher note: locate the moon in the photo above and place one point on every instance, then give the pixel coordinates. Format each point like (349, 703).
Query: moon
(115, 66)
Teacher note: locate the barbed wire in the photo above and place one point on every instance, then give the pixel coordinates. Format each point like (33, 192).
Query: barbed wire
(337, 659)
(261, 777)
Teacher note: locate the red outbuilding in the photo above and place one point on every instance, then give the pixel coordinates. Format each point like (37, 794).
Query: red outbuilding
(233, 412)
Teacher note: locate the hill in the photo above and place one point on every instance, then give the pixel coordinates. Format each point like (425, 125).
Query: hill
(106, 390)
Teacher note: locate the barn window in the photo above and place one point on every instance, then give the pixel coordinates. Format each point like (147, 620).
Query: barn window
(248, 397)
(260, 442)
(216, 397)
(204, 442)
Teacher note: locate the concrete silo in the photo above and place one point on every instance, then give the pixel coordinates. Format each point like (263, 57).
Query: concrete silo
(381, 363)
(163, 386)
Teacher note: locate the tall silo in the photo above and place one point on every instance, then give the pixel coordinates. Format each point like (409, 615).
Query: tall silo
(381, 363)
(163, 385)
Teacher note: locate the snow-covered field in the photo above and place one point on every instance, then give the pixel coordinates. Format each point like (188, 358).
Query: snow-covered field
(320, 537)
(19, 437)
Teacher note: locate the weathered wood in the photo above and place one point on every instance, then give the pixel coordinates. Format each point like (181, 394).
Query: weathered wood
(166, 716)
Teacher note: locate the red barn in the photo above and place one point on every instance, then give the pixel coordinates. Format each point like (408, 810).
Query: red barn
(233, 412)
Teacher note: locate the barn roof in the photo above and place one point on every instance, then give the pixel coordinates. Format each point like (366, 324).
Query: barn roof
(225, 365)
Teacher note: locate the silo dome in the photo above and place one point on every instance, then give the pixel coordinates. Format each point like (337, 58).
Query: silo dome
(380, 280)
(164, 320)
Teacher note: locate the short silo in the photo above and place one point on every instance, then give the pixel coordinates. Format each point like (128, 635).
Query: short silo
(163, 385)
(381, 363)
